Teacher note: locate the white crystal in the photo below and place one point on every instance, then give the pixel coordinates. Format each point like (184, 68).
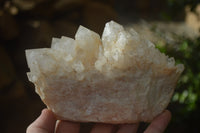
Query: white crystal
(78, 66)
(94, 80)
(65, 44)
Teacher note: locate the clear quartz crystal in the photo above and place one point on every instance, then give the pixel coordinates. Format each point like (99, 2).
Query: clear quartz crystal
(95, 79)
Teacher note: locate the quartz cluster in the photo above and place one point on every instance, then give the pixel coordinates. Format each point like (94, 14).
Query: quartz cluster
(119, 78)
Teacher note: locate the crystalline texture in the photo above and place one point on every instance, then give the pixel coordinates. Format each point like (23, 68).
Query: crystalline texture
(121, 78)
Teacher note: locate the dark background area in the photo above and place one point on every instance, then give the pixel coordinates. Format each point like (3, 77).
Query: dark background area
(173, 25)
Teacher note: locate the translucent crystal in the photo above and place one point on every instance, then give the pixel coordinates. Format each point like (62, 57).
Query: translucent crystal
(121, 78)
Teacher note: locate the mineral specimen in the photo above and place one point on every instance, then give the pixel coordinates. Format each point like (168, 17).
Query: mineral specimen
(121, 78)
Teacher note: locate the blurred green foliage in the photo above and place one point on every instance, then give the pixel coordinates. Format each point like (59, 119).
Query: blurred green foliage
(180, 4)
(187, 94)
(175, 9)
